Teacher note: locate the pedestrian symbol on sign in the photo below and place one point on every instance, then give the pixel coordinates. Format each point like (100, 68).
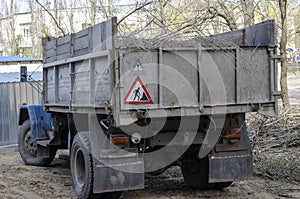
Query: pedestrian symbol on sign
(137, 93)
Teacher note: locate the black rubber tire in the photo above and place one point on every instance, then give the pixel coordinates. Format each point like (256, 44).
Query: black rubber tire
(82, 169)
(195, 174)
(221, 185)
(27, 152)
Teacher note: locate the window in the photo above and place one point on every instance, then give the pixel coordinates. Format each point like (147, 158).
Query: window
(22, 6)
(25, 30)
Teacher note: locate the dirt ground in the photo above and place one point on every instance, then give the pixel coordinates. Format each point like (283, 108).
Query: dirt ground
(20, 181)
(294, 88)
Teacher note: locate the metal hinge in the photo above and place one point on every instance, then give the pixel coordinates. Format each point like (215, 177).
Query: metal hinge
(277, 93)
(276, 57)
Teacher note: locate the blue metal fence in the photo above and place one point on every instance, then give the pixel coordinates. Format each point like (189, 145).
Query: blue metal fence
(12, 95)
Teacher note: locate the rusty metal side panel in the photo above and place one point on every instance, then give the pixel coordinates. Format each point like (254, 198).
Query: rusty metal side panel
(79, 69)
(217, 71)
(64, 86)
(253, 76)
(142, 64)
(261, 34)
(182, 78)
(179, 78)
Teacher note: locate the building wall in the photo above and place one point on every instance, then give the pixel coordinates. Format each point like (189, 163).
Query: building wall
(31, 23)
(15, 67)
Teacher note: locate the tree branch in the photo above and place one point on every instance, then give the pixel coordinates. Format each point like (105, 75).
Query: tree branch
(230, 22)
(138, 8)
(55, 21)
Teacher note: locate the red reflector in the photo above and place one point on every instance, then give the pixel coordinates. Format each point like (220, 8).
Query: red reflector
(233, 133)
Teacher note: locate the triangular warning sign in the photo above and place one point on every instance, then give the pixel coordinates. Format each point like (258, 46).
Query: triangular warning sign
(137, 93)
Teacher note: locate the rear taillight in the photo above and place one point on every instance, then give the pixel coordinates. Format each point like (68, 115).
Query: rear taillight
(119, 138)
(234, 133)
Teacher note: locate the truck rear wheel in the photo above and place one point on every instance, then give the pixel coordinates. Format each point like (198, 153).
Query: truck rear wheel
(221, 185)
(82, 169)
(28, 150)
(196, 172)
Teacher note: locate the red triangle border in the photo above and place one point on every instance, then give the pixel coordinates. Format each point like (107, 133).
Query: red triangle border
(144, 89)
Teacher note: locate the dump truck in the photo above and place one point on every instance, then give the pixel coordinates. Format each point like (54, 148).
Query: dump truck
(126, 107)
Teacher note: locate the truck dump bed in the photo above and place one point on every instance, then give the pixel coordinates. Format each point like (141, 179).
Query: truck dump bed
(94, 71)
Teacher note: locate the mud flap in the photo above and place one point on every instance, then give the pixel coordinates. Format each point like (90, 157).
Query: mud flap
(115, 171)
(43, 151)
(230, 166)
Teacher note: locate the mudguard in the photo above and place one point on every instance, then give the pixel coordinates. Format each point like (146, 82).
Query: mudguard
(228, 163)
(40, 121)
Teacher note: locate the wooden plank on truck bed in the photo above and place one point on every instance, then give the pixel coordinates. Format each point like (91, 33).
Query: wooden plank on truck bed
(50, 59)
(63, 47)
(63, 56)
(50, 53)
(69, 66)
(103, 36)
(64, 40)
(50, 45)
(81, 43)
(82, 33)
(96, 37)
(109, 33)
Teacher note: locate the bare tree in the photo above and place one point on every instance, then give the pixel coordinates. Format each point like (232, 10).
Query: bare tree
(70, 13)
(34, 30)
(55, 5)
(297, 26)
(248, 12)
(11, 30)
(110, 8)
(103, 9)
(283, 43)
(52, 17)
(93, 11)
(221, 10)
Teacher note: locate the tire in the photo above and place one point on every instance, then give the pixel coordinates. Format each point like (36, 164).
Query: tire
(28, 151)
(82, 169)
(221, 185)
(196, 173)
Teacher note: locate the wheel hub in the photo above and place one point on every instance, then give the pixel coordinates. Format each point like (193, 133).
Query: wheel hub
(29, 146)
(79, 169)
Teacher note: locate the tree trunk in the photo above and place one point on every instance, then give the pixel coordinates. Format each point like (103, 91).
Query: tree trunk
(248, 11)
(283, 43)
(56, 15)
(93, 11)
(162, 16)
(33, 30)
(110, 8)
(71, 15)
(13, 43)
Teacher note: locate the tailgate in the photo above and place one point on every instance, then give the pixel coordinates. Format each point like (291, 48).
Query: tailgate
(187, 81)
